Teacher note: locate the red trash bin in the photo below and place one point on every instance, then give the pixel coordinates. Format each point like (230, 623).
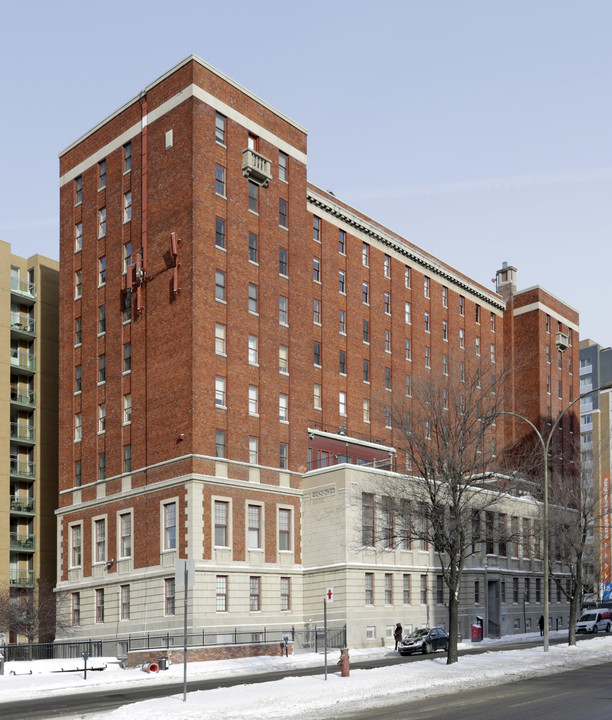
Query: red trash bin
(476, 633)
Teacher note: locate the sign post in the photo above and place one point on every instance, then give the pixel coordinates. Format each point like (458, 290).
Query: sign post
(185, 576)
(329, 597)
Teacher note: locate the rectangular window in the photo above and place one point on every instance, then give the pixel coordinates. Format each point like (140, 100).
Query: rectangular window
(426, 287)
(342, 403)
(253, 197)
(221, 592)
(439, 590)
(169, 510)
(253, 451)
(423, 589)
(283, 160)
(408, 351)
(127, 409)
(369, 589)
(317, 312)
(253, 305)
(252, 247)
(283, 360)
(282, 261)
(220, 285)
(219, 339)
(220, 399)
(444, 296)
(102, 418)
(366, 410)
(125, 525)
(317, 353)
(461, 338)
(127, 358)
(127, 207)
(220, 180)
(365, 255)
(527, 590)
(388, 589)
(476, 592)
(427, 357)
(367, 519)
(78, 381)
(78, 237)
(515, 590)
(342, 362)
(100, 541)
(101, 174)
(366, 332)
(444, 364)
(100, 606)
(220, 443)
(127, 458)
(282, 213)
(316, 228)
(101, 369)
(102, 271)
(365, 293)
(283, 456)
(78, 427)
(76, 546)
(125, 602)
(461, 305)
(387, 266)
(477, 313)
(492, 322)
(388, 341)
(169, 596)
(101, 222)
(101, 319)
(407, 316)
(387, 303)
(254, 527)
(253, 400)
(387, 378)
(427, 323)
(406, 276)
(220, 232)
(253, 350)
(316, 269)
(127, 306)
(317, 397)
(285, 593)
(341, 242)
(284, 529)
(77, 473)
(445, 331)
(408, 386)
(254, 594)
(78, 190)
(127, 157)
(76, 608)
(220, 129)
(283, 407)
(366, 371)
(342, 282)
(406, 590)
(78, 284)
(283, 314)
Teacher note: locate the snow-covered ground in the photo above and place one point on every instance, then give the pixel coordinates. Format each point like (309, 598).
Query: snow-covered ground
(310, 697)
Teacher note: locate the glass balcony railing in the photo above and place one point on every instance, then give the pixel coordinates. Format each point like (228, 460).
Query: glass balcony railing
(24, 433)
(22, 542)
(21, 578)
(22, 396)
(22, 504)
(23, 359)
(23, 469)
(23, 324)
(23, 287)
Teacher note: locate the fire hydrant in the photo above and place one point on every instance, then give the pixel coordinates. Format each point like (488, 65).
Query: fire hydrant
(344, 663)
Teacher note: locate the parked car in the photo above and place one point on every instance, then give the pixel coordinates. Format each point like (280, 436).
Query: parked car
(424, 640)
(594, 620)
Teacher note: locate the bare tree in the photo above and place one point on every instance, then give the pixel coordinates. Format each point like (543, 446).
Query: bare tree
(33, 613)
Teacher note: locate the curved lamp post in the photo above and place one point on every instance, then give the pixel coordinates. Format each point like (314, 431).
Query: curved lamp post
(545, 447)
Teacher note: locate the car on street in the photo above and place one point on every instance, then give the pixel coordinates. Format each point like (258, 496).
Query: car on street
(594, 620)
(424, 640)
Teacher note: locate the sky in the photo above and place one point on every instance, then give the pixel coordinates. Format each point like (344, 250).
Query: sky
(308, 697)
(478, 130)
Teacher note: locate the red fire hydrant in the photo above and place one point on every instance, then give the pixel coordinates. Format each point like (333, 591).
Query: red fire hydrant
(344, 663)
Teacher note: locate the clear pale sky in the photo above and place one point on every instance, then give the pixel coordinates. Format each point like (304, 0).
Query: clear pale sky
(477, 129)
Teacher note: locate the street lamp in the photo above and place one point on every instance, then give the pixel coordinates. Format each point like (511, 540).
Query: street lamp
(545, 447)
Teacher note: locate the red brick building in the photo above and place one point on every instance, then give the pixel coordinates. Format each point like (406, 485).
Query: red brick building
(225, 328)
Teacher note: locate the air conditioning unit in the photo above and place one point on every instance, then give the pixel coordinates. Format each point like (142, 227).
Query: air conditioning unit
(562, 341)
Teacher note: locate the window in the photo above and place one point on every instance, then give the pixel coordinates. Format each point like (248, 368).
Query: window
(220, 233)
(169, 510)
(220, 443)
(388, 341)
(221, 591)
(125, 526)
(253, 451)
(365, 255)
(515, 590)
(407, 316)
(444, 296)
(342, 322)
(78, 379)
(102, 418)
(439, 590)
(341, 242)
(253, 350)
(283, 407)
(527, 590)
(283, 304)
(78, 427)
(127, 306)
(220, 399)
(282, 261)
(102, 271)
(369, 589)
(388, 589)
(254, 594)
(366, 332)
(317, 397)
(461, 338)
(125, 602)
(444, 364)
(366, 410)
(367, 519)
(365, 293)
(101, 369)
(492, 322)
(127, 157)
(127, 358)
(253, 400)
(461, 305)
(127, 458)
(101, 174)
(169, 596)
(406, 590)
(282, 213)
(253, 197)
(78, 285)
(254, 527)
(387, 303)
(387, 416)
(283, 456)
(282, 165)
(366, 371)
(317, 353)
(445, 331)
(341, 282)
(426, 287)
(423, 589)
(77, 473)
(477, 340)
(342, 403)
(285, 593)
(78, 237)
(220, 129)
(387, 266)
(127, 207)
(219, 339)
(492, 353)
(283, 359)
(316, 228)
(220, 180)
(408, 351)
(342, 363)
(76, 608)
(408, 386)
(100, 541)
(387, 378)
(101, 222)
(316, 269)
(100, 606)
(253, 305)
(406, 276)
(427, 323)
(76, 546)
(77, 331)
(476, 592)
(101, 319)
(78, 190)
(252, 247)
(427, 357)
(477, 312)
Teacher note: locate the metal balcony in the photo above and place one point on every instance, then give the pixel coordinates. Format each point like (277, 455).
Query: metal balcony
(22, 505)
(26, 398)
(21, 542)
(23, 469)
(21, 578)
(24, 290)
(23, 433)
(23, 360)
(256, 167)
(23, 326)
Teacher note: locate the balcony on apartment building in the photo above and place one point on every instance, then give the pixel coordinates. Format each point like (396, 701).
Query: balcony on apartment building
(23, 397)
(24, 290)
(22, 325)
(23, 542)
(23, 433)
(22, 505)
(21, 578)
(24, 360)
(256, 167)
(23, 469)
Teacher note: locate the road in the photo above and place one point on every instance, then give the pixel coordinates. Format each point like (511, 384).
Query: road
(47, 708)
(574, 695)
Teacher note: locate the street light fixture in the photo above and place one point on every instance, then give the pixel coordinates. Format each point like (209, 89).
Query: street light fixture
(545, 447)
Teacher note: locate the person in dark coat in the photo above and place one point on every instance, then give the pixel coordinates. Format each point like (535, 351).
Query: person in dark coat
(397, 634)
(541, 624)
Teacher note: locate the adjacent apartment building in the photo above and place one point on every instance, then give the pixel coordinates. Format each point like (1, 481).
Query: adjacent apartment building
(29, 293)
(227, 331)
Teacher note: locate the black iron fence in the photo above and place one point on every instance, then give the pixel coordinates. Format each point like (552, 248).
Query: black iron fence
(310, 639)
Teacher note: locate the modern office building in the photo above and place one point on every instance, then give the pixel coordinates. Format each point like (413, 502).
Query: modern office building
(29, 292)
(595, 436)
(228, 329)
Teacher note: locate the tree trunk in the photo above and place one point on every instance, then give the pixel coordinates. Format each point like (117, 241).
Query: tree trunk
(453, 625)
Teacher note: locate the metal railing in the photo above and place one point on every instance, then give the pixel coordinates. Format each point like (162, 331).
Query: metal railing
(23, 323)
(23, 287)
(21, 578)
(23, 397)
(23, 432)
(23, 359)
(21, 541)
(23, 468)
(21, 504)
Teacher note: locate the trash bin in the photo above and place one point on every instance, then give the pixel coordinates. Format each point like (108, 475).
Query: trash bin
(163, 663)
(476, 633)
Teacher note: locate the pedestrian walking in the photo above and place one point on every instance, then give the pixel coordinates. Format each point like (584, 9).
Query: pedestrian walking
(397, 634)
(541, 624)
